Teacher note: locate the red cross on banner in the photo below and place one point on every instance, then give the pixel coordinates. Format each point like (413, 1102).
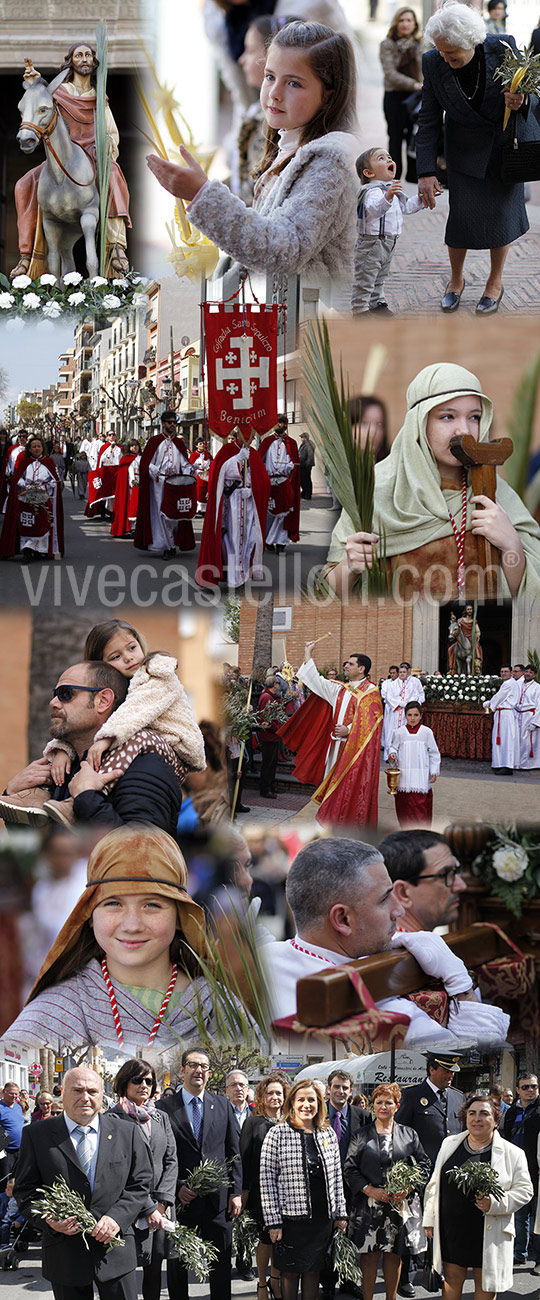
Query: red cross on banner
(241, 367)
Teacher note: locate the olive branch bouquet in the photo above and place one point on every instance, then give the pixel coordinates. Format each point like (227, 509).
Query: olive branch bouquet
(475, 1178)
(196, 1255)
(345, 1260)
(61, 1202)
(210, 1176)
(519, 73)
(403, 1177)
(246, 1234)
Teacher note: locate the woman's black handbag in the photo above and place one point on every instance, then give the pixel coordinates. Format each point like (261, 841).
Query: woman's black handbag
(520, 158)
(431, 1279)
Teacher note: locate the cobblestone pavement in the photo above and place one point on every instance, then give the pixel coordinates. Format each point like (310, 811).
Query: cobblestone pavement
(464, 789)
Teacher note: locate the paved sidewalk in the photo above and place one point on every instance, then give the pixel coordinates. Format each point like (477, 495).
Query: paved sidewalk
(465, 791)
(420, 269)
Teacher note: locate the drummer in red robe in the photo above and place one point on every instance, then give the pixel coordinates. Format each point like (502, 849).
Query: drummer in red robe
(235, 520)
(34, 520)
(167, 493)
(201, 461)
(336, 736)
(282, 462)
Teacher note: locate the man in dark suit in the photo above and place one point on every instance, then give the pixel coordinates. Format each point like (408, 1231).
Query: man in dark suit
(521, 1125)
(432, 1107)
(205, 1128)
(108, 1164)
(346, 1120)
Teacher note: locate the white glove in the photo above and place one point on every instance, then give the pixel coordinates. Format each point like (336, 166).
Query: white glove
(436, 959)
(245, 493)
(484, 1024)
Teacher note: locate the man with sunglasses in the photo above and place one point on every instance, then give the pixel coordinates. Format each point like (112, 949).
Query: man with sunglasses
(521, 1125)
(145, 789)
(205, 1128)
(164, 456)
(426, 878)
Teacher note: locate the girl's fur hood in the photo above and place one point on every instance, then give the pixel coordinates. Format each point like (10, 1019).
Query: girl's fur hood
(156, 699)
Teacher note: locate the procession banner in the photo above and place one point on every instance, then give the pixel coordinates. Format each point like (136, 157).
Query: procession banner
(241, 367)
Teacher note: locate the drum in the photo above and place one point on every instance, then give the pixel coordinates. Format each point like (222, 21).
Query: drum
(179, 500)
(35, 514)
(281, 496)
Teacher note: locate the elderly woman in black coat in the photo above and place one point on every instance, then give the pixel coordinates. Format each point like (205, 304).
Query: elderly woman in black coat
(460, 85)
(135, 1086)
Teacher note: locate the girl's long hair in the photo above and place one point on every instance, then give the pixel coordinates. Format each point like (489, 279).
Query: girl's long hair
(331, 58)
(100, 635)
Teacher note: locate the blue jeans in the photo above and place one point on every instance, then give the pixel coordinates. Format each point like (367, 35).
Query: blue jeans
(526, 1242)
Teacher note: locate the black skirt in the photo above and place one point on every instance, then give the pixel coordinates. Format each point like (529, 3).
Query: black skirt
(462, 1224)
(484, 213)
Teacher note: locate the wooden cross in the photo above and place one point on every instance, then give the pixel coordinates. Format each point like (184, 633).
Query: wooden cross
(329, 996)
(482, 458)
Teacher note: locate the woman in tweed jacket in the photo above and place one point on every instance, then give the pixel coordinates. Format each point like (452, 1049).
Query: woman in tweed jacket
(302, 1194)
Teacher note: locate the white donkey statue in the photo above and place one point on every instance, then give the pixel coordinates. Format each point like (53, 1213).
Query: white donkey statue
(67, 192)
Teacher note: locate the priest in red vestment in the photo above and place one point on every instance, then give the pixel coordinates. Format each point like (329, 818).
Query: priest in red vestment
(343, 731)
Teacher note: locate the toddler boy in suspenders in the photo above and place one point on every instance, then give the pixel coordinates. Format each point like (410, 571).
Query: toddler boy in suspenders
(381, 207)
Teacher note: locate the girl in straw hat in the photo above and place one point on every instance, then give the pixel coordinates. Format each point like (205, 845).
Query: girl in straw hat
(425, 509)
(125, 969)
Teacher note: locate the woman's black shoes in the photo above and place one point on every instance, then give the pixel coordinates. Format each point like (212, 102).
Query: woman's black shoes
(450, 301)
(488, 306)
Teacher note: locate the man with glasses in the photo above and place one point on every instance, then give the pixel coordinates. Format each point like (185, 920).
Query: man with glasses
(426, 877)
(205, 1128)
(165, 456)
(344, 907)
(521, 1125)
(145, 786)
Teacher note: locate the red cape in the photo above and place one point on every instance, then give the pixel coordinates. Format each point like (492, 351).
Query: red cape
(307, 735)
(3, 479)
(184, 535)
(9, 541)
(291, 522)
(120, 525)
(93, 502)
(349, 794)
(210, 565)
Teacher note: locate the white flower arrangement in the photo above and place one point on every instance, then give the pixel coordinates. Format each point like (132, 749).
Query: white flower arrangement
(51, 299)
(454, 688)
(510, 863)
(509, 866)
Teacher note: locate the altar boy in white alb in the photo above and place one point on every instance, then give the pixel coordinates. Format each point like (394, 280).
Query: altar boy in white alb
(417, 754)
(505, 735)
(528, 716)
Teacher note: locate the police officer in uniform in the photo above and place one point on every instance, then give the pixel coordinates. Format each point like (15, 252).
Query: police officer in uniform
(432, 1107)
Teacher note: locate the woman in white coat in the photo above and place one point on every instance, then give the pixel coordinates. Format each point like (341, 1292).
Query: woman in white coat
(477, 1234)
